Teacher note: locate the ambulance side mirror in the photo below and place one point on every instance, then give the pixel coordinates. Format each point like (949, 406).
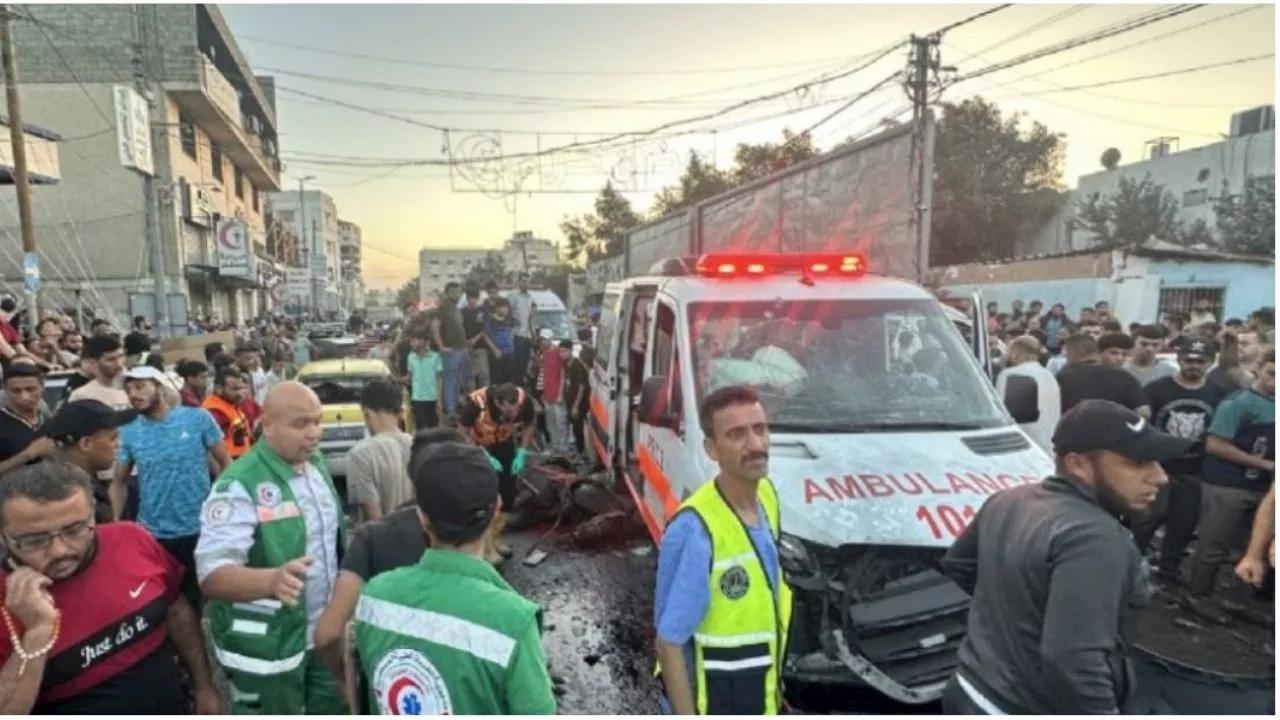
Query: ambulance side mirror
(655, 404)
(1022, 399)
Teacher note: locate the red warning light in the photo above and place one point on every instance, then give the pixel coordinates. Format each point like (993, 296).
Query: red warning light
(728, 266)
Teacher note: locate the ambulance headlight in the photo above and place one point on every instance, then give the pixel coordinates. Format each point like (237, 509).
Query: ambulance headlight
(794, 557)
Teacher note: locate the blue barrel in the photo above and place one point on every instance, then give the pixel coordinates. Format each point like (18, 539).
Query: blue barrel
(1172, 687)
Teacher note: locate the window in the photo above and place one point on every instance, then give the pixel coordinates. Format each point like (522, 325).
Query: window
(664, 340)
(239, 183)
(1181, 300)
(215, 162)
(187, 134)
(257, 207)
(1193, 198)
(604, 335)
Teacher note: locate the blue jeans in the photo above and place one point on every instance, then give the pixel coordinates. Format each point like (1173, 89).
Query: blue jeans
(455, 374)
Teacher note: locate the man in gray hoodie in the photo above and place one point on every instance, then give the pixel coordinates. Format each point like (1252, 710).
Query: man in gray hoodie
(1053, 573)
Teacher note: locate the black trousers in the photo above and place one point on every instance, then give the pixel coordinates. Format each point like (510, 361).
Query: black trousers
(500, 369)
(508, 485)
(955, 701)
(579, 426)
(1177, 508)
(183, 549)
(424, 414)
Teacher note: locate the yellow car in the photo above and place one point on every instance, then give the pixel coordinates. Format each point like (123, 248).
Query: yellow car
(338, 384)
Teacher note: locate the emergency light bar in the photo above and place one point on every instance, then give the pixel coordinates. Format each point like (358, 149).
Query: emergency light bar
(729, 266)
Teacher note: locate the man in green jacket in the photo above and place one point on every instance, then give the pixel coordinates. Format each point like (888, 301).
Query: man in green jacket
(449, 636)
(271, 541)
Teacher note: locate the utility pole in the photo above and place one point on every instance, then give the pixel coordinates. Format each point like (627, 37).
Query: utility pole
(146, 79)
(921, 71)
(308, 246)
(18, 137)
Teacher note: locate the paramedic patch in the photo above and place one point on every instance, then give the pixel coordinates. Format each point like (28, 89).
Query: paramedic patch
(268, 495)
(217, 511)
(735, 583)
(406, 683)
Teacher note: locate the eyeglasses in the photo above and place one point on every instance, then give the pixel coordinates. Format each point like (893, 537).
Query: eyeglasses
(72, 534)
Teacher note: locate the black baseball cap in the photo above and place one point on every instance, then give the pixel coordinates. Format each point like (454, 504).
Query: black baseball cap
(1196, 349)
(79, 419)
(456, 486)
(1104, 425)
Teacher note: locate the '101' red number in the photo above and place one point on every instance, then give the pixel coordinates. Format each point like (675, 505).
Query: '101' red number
(945, 518)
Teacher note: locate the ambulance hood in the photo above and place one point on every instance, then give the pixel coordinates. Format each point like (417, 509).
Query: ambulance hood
(905, 489)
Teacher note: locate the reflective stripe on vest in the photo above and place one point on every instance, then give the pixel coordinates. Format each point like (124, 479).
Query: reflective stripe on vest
(487, 431)
(740, 646)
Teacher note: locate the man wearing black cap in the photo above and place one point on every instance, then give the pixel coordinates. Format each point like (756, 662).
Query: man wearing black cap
(449, 636)
(1182, 405)
(86, 434)
(1052, 572)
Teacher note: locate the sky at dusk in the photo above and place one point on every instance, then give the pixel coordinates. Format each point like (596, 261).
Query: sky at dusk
(536, 77)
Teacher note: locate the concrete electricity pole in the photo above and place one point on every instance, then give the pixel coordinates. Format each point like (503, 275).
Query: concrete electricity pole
(147, 81)
(19, 141)
(920, 71)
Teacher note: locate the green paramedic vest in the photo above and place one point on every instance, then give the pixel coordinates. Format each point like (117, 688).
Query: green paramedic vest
(438, 637)
(264, 638)
(739, 649)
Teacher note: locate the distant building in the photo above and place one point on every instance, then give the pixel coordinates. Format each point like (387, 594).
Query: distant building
(349, 252)
(522, 252)
(1196, 177)
(313, 217)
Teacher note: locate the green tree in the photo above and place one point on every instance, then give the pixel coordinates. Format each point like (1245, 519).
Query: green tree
(753, 162)
(599, 234)
(493, 267)
(1247, 222)
(995, 181)
(408, 293)
(1137, 211)
(700, 180)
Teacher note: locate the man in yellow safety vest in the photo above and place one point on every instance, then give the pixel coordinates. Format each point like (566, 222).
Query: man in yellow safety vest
(721, 633)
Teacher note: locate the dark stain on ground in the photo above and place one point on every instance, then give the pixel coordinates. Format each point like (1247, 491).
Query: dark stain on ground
(598, 609)
(1235, 647)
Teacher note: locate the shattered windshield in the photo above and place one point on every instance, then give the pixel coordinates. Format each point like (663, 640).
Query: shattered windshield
(560, 324)
(844, 365)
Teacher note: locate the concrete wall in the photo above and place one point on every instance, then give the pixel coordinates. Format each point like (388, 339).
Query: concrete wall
(1248, 286)
(1074, 293)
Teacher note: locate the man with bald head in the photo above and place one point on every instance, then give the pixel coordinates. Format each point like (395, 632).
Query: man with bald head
(271, 540)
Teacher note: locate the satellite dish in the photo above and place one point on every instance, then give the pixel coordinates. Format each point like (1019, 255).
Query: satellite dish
(1111, 158)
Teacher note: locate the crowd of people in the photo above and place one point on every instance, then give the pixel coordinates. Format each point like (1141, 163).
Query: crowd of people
(1219, 395)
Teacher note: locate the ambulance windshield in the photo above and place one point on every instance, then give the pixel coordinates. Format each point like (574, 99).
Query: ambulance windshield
(844, 365)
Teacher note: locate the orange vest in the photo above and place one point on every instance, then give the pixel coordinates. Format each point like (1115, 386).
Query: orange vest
(238, 439)
(488, 431)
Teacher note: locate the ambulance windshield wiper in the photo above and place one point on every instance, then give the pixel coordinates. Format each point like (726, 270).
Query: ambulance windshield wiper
(870, 427)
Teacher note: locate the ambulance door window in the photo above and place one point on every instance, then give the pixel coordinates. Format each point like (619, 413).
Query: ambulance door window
(608, 326)
(664, 341)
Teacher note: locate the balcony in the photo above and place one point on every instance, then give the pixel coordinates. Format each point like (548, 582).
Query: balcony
(213, 103)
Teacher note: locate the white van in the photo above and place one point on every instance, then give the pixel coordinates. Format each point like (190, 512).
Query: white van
(886, 438)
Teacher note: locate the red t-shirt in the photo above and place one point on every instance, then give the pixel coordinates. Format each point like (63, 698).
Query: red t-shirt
(111, 656)
(9, 333)
(552, 375)
(252, 412)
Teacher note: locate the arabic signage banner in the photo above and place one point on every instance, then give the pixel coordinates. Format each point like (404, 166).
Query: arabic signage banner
(133, 130)
(297, 282)
(233, 249)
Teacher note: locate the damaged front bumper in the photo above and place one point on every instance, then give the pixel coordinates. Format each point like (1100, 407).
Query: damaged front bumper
(879, 618)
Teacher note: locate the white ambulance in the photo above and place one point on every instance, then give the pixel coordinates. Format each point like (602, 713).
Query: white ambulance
(885, 440)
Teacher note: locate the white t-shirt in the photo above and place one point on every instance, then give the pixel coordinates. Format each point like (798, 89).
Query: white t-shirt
(260, 385)
(1048, 399)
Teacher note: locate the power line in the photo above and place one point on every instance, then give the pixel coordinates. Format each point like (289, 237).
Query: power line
(1102, 34)
(1036, 27)
(1154, 76)
(527, 71)
(972, 18)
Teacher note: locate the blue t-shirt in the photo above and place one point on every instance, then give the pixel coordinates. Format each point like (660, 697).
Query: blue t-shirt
(1246, 419)
(423, 369)
(171, 457)
(501, 332)
(683, 593)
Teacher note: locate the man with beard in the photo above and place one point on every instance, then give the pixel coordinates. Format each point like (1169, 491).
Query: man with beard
(272, 534)
(86, 433)
(502, 420)
(721, 606)
(1053, 573)
(22, 440)
(171, 448)
(93, 615)
(230, 388)
(103, 362)
(1182, 405)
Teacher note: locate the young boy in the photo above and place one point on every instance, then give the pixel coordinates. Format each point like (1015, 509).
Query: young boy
(425, 378)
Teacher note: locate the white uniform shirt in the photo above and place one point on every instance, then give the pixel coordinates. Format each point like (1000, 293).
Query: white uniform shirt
(229, 519)
(1048, 399)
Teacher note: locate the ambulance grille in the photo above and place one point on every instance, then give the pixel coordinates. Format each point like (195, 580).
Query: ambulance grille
(1002, 444)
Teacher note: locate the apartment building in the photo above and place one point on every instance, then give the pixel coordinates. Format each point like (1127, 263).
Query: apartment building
(350, 256)
(218, 159)
(312, 216)
(522, 252)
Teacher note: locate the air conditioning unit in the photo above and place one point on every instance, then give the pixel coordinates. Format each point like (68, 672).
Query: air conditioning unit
(1252, 122)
